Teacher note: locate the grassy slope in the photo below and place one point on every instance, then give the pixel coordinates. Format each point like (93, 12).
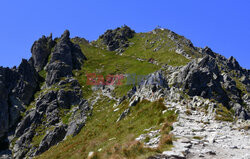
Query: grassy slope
(104, 62)
(114, 138)
(145, 43)
(102, 125)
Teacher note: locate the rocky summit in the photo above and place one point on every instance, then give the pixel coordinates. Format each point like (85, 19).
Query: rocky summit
(131, 95)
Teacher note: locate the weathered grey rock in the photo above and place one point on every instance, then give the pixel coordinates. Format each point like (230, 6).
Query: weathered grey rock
(68, 98)
(45, 100)
(166, 157)
(41, 50)
(131, 92)
(246, 100)
(240, 111)
(123, 115)
(117, 39)
(4, 113)
(150, 87)
(25, 124)
(65, 57)
(52, 114)
(28, 83)
(50, 109)
(154, 136)
(233, 63)
(17, 87)
(78, 118)
(154, 80)
(22, 145)
(202, 78)
(52, 138)
(208, 151)
(134, 101)
(56, 71)
(208, 51)
(174, 154)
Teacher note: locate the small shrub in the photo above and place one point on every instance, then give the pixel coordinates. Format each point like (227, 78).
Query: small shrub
(147, 139)
(42, 74)
(246, 127)
(133, 148)
(166, 127)
(188, 112)
(223, 114)
(166, 139)
(161, 120)
(193, 108)
(198, 137)
(160, 104)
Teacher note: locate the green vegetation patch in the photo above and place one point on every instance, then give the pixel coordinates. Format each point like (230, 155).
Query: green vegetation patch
(155, 47)
(223, 114)
(108, 138)
(103, 63)
(42, 74)
(40, 133)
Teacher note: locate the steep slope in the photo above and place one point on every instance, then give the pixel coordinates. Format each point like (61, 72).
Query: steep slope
(119, 97)
(17, 88)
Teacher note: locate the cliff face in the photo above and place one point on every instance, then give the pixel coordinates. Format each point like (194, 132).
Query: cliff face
(17, 89)
(36, 97)
(47, 98)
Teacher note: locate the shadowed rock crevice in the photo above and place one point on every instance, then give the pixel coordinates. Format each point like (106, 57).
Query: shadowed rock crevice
(17, 87)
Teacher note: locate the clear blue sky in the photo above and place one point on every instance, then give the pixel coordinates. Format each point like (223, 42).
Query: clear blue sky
(223, 25)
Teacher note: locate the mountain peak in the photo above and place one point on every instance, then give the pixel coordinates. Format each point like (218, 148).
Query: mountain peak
(65, 35)
(117, 39)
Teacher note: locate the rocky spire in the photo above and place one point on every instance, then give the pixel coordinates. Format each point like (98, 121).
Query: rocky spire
(66, 57)
(41, 50)
(233, 63)
(65, 35)
(208, 51)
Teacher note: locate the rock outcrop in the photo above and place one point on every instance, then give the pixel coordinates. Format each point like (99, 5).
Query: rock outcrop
(57, 112)
(54, 115)
(17, 87)
(4, 108)
(27, 84)
(65, 57)
(202, 78)
(41, 50)
(117, 39)
(60, 110)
